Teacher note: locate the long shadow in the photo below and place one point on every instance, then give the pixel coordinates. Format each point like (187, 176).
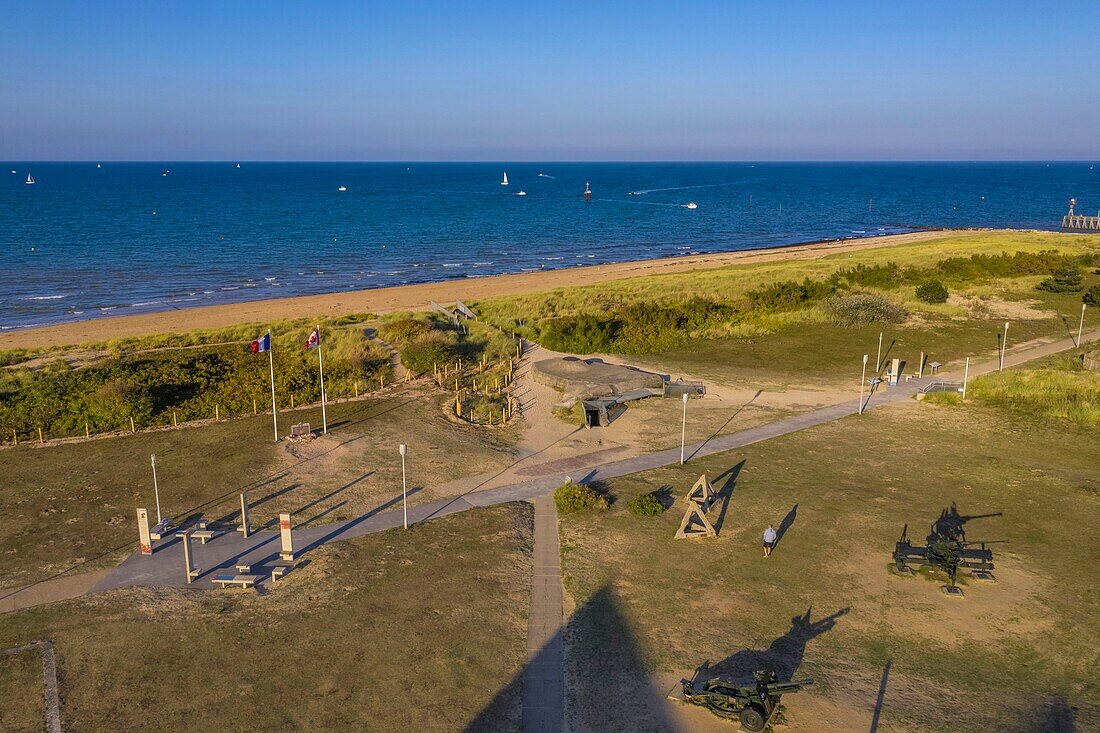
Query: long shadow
(1051, 715)
(502, 471)
(881, 696)
(343, 527)
(784, 655)
(725, 424)
(886, 356)
(786, 524)
(951, 525)
(600, 653)
(725, 492)
(302, 509)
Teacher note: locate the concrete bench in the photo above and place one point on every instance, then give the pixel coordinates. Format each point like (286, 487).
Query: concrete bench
(243, 567)
(201, 535)
(245, 581)
(158, 530)
(280, 570)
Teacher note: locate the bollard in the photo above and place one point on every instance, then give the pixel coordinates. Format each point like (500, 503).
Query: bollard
(287, 538)
(145, 541)
(244, 528)
(189, 568)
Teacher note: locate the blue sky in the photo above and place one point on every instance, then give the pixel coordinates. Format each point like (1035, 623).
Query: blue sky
(599, 80)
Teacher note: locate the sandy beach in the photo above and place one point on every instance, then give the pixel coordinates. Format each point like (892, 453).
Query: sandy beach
(417, 297)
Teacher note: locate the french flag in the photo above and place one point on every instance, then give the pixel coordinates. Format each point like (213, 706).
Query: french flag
(262, 344)
(314, 340)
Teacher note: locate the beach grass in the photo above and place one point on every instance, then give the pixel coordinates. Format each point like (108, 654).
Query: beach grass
(419, 630)
(1016, 655)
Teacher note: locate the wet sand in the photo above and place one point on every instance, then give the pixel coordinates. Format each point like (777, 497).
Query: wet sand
(417, 297)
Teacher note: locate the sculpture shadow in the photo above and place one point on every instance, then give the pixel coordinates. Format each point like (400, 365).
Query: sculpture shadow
(724, 493)
(1051, 715)
(785, 524)
(784, 654)
(724, 425)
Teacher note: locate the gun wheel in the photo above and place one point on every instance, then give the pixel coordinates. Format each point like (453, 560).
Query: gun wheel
(752, 718)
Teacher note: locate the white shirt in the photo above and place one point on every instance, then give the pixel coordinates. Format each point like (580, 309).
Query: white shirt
(769, 535)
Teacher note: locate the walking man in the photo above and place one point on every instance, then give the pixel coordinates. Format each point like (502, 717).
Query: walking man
(769, 540)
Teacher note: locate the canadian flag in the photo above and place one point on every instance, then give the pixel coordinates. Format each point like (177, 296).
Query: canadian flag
(314, 339)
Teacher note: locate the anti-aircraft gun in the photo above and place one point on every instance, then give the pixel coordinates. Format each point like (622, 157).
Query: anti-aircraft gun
(754, 705)
(946, 548)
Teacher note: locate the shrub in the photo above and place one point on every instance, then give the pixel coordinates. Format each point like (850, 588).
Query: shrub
(863, 308)
(932, 291)
(1092, 296)
(1064, 280)
(573, 497)
(426, 351)
(403, 330)
(647, 505)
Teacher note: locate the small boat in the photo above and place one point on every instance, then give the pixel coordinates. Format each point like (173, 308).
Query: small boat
(521, 193)
(238, 165)
(635, 193)
(543, 175)
(342, 188)
(30, 180)
(505, 181)
(98, 165)
(691, 205)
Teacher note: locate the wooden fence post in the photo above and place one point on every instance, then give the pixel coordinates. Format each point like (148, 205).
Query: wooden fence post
(174, 418)
(292, 401)
(14, 437)
(87, 430)
(40, 441)
(133, 428)
(356, 387)
(217, 413)
(255, 407)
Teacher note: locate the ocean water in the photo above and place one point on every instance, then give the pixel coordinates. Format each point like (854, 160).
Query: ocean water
(88, 241)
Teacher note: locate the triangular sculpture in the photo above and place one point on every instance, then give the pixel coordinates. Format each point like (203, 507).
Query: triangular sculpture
(699, 500)
(702, 493)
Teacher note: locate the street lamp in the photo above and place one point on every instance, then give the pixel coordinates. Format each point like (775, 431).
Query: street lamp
(1081, 324)
(683, 429)
(878, 359)
(404, 451)
(156, 489)
(862, 380)
(966, 376)
(1004, 342)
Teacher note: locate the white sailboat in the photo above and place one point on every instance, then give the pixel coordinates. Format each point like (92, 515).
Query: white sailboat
(30, 180)
(238, 165)
(505, 181)
(98, 165)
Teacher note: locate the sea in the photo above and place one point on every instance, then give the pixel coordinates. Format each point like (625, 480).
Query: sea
(90, 240)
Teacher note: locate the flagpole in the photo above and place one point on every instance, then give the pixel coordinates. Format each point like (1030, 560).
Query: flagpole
(321, 369)
(271, 368)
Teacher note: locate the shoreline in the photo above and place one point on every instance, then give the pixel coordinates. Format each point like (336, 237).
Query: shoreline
(416, 297)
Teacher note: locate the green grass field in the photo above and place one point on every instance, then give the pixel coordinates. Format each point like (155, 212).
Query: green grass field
(1017, 655)
(73, 504)
(414, 630)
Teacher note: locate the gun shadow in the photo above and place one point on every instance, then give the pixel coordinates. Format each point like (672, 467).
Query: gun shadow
(784, 654)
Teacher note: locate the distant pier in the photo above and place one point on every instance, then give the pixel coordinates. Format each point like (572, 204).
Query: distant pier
(1079, 223)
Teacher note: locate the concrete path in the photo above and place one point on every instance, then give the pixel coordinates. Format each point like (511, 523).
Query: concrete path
(544, 675)
(165, 567)
(48, 591)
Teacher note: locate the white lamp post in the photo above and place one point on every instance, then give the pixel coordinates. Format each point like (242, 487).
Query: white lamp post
(878, 359)
(1081, 324)
(966, 375)
(404, 450)
(156, 489)
(862, 381)
(1004, 343)
(683, 430)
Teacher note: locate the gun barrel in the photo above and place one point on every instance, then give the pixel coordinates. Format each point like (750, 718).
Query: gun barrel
(779, 688)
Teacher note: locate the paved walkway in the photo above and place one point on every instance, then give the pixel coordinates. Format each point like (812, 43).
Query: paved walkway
(165, 567)
(544, 674)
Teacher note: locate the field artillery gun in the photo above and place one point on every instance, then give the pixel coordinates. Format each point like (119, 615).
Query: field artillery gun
(946, 548)
(754, 705)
